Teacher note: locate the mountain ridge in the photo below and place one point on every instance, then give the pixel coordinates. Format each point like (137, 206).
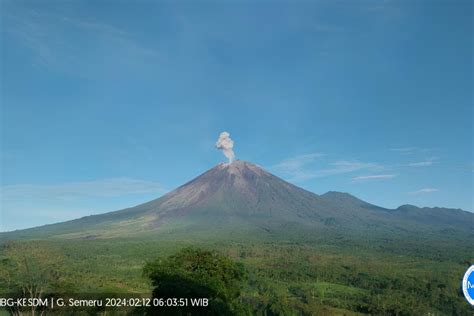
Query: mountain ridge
(243, 197)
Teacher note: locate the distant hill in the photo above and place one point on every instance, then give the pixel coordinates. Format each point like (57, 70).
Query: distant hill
(242, 200)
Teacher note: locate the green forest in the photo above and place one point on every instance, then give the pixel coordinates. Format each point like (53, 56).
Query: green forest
(339, 277)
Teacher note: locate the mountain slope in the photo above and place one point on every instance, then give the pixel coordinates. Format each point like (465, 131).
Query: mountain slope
(243, 199)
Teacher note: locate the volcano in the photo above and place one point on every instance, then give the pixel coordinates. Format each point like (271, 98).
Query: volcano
(242, 200)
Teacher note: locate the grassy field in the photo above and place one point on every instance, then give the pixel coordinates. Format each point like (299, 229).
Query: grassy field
(284, 278)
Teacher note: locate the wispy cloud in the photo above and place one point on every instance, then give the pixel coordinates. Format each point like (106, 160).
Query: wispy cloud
(374, 177)
(297, 162)
(425, 163)
(388, 10)
(404, 150)
(303, 167)
(95, 26)
(420, 164)
(58, 41)
(344, 166)
(295, 169)
(423, 191)
(77, 190)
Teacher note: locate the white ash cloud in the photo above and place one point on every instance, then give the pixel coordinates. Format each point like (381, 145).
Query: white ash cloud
(226, 144)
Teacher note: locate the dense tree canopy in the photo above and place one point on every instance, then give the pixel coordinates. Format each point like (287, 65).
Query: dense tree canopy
(195, 273)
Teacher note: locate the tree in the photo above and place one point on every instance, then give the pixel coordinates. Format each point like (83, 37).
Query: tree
(28, 270)
(195, 273)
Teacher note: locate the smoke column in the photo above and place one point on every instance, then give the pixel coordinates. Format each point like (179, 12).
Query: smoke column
(226, 144)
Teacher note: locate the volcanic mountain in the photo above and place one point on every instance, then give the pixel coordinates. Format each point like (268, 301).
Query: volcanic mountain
(242, 200)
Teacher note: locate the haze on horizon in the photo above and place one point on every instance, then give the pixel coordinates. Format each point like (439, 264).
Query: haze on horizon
(107, 105)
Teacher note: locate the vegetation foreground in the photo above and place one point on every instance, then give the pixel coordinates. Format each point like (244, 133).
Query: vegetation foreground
(284, 278)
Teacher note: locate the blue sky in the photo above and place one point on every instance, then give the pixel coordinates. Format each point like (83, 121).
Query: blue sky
(107, 104)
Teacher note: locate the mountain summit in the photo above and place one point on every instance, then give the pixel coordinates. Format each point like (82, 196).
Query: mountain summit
(241, 199)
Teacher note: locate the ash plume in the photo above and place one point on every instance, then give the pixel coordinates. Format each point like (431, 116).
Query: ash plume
(225, 143)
